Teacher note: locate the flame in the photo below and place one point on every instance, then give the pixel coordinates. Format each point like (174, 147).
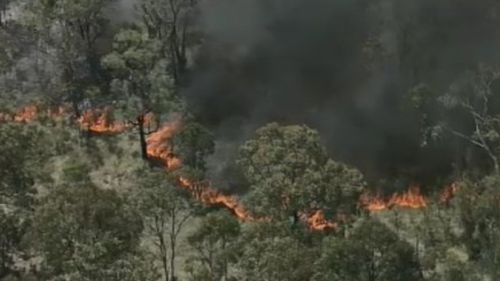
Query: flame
(31, 113)
(412, 199)
(159, 145)
(448, 193)
(206, 194)
(317, 221)
(100, 121)
(26, 114)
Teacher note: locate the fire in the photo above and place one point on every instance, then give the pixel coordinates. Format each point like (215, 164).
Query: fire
(203, 192)
(101, 122)
(31, 113)
(412, 199)
(159, 145)
(318, 221)
(26, 114)
(448, 193)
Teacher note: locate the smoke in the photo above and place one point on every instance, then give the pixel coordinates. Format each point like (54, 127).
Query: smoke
(340, 66)
(296, 62)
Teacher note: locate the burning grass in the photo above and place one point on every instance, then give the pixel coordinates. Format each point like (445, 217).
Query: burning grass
(159, 149)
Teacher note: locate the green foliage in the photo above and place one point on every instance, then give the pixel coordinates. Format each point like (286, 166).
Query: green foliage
(193, 144)
(371, 252)
(140, 82)
(480, 219)
(214, 242)
(69, 31)
(13, 226)
(84, 232)
(79, 232)
(173, 24)
(289, 171)
(165, 211)
(21, 157)
(76, 173)
(276, 258)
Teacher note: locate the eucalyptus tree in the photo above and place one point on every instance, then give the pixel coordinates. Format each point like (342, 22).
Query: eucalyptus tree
(172, 22)
(140, 82)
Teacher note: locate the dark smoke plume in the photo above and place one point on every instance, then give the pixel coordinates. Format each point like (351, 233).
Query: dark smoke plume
(343, 67)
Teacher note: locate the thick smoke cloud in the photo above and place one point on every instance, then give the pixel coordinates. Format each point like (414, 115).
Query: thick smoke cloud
(340, 66)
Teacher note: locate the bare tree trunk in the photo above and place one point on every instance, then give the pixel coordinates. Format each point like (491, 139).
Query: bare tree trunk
(173, 240)
(371, 272)
(142, 137)
(164, 257)
(496, 167)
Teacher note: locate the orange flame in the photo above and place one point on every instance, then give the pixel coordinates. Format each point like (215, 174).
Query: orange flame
(26, 114)
(98, 121)
(317, 221)
(412, 199)
(203, 192)
(448, 193)
(159, 146)
(101, 122)
(31, 113)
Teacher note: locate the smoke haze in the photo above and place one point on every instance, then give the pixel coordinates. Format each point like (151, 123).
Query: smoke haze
(343, 67)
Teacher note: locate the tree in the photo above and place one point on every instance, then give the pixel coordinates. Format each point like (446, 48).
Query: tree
(172, 23)
(289, 171)
(19, 157)
(84, 233)
(143, 86)
(193, 143)
(14, 226)
(469, 113)
(480, 221)
(214, 242)
(69, 31)
(4, 5)
(165, 211)
(373, 252)
(270, 252)
(23, 152)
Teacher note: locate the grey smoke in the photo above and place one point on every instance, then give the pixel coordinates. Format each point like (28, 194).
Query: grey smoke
(298, 61)
(305, 61)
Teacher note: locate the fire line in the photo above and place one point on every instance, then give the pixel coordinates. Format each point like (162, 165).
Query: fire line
(101, 122)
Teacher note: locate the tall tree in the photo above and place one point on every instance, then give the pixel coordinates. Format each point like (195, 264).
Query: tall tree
(467, 112)
(140, 80)
(172, 23)
(4, 5)
(18, 157)
(85, 233)
(480, 220)
(289, 171)
(165, 212)
(193, 143)
(372, 252)
(269, 251)
(214, 243)
(68, 33)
